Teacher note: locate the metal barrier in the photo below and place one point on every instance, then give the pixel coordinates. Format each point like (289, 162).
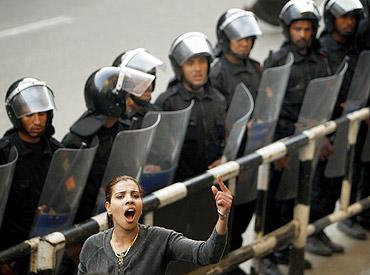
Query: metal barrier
(43, 250)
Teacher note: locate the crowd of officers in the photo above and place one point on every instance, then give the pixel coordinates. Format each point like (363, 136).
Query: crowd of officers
(210, 82)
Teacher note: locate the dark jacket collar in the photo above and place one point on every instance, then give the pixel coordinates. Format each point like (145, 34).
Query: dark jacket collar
(188, 96)
(21, 145)
(312, 56)
(246, 66)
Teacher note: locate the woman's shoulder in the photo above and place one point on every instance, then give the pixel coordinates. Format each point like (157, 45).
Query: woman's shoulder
(156, 231)
(97, 240)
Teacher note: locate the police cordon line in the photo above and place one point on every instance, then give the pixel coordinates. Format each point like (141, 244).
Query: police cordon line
(214, 111)
(43, 249)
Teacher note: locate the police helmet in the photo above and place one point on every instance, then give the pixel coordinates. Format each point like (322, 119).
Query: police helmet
(139, 59)
(28, 96)
(337, 8)
(106, 89)
(186, 46)
(296, 10)
(235, 24)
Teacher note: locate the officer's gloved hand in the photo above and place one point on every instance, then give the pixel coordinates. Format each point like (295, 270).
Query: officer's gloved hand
(326, 149)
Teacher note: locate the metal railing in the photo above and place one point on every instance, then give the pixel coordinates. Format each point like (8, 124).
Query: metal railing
(43, 250)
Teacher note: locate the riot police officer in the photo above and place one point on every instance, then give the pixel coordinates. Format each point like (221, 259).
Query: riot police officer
(236, 32)
(338, 41)
(300, 22)
(191, 54)
(105, 99)
(29, 104)
(139, 59)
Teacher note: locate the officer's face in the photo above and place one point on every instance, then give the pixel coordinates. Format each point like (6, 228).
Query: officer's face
(345, 24)
(241, 46)
(301, 33)
(34, 125)
(147, 95)
(195, 70)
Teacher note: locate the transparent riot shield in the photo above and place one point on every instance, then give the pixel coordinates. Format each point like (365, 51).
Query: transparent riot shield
(237, 117)
(357, 97)
(6, 176)
(128, 156)
(64, 184)
(317, 107)
(164, 153)
(262, 125)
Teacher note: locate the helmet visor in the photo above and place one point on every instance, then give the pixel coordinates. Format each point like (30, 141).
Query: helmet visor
(133, 81)
(341, 7)
(140, 59)
(241, 25)
(190, 44)
(34, 99)
(299, 10)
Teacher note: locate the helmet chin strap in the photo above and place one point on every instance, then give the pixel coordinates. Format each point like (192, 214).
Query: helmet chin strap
(139, 101)
(345, 34)
(25, 132)
(241, 57)
(192, 86)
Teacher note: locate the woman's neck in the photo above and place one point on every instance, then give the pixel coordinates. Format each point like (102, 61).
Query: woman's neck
(122, 239)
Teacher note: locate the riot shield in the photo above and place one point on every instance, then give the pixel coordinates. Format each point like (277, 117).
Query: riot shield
(317, 107)
(6, 176)
(237, 117)
(262, 126)
(128, 155)
(164, 153)
(63, 187)
(357, 98)
(365, 156)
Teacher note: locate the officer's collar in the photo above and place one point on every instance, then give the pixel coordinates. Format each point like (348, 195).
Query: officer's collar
(188, 96)
(22, 147)
(298, 58)
(334, 45)
(245, 66)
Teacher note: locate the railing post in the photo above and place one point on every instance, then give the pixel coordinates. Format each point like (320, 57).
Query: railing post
(269, 153)
(47, 251)
(302, 208)
(347, 180)
(34, 243)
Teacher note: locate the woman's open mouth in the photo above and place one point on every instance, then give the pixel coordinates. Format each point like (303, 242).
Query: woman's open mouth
(130, 214)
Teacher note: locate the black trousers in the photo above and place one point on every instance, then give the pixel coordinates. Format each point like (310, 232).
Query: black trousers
(241, 215)
(324, 193)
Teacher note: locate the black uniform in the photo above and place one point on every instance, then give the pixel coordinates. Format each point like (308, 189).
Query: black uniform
(363, 34)
(204, 140)
(304, 69)
(225, 76)
(84, 130)
(326, 191)
(28, 180)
